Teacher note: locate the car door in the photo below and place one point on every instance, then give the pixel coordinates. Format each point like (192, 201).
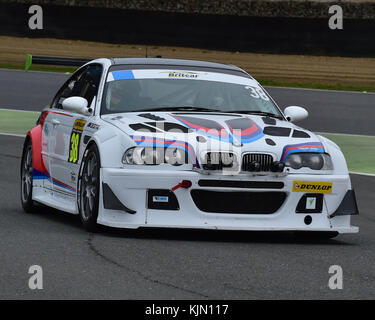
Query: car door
(53, 142)
(68, 129)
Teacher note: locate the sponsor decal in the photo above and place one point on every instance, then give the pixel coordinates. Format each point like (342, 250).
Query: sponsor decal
(93, 126)
(79, 124)
(72, 176)
(160, 199)
(249, 84)
(184, 75)
(312, 186)
(310, 203)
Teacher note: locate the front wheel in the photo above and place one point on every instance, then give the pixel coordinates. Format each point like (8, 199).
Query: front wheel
(27, 178)
(89, 189)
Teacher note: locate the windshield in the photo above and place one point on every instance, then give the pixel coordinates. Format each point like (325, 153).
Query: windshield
(148, 90)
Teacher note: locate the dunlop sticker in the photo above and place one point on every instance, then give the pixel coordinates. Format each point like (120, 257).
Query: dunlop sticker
(312, 186)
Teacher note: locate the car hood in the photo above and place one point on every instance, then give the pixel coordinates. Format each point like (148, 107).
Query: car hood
(200, 132)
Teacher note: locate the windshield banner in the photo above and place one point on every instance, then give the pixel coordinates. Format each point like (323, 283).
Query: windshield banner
(179, 74)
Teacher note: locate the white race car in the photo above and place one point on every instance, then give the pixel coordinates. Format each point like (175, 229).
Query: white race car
(152, 142)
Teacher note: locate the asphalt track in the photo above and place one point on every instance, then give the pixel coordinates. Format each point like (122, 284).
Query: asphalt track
(329, 111)
(169, 264)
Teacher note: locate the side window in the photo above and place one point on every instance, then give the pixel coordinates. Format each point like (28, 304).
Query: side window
(66, 90)
(88, 84)
(84, 83)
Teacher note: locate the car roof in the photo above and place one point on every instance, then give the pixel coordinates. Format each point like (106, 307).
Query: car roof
(175, 62)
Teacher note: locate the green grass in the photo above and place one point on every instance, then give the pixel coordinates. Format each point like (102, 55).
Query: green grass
(359, 151)
(316, 85)
(16, 122)
(39, 68)
(264, 82)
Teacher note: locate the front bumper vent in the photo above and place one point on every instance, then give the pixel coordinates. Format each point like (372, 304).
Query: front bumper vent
(241, 184)
(238, 202)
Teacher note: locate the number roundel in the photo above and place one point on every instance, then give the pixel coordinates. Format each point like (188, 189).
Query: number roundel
(75, 140)
(74, 146)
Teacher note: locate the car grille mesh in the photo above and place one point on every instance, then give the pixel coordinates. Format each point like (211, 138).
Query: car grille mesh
(265, 161)
(238, 202)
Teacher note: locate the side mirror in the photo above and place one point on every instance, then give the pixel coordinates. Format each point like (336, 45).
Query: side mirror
(77, 105)
(294, 113)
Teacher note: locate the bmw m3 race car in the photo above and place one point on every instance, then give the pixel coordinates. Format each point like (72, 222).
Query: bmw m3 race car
(151, 142)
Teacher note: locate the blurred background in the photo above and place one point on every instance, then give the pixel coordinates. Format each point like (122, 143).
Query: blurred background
(280, 42)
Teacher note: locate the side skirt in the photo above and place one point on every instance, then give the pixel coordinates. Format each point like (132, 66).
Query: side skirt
(57, 200)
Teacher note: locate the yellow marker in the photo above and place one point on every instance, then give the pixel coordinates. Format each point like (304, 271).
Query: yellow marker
(312, 186)
(79, 124)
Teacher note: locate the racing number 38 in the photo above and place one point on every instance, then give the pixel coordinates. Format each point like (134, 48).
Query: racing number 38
(75, 139)
(74, 147)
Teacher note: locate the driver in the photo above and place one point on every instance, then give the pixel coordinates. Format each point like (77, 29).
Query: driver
(125, 95)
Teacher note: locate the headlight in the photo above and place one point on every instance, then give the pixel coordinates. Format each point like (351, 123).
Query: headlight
(314, 161)
(175, 156)
(155, 156)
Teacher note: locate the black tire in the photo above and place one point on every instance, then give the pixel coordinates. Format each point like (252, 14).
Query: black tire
(315, 235)
(27, 178)
(90, 189)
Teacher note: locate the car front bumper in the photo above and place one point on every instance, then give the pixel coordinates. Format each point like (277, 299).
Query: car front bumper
(132, 189)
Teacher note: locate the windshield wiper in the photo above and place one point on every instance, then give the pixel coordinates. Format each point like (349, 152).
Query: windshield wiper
(261, 113)
(181, 108)
(193, 108)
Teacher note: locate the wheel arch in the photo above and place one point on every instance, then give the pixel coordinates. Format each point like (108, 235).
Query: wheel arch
(91, 143)
(35, 136)
(337, 156)
(111, 143)
(25, 142)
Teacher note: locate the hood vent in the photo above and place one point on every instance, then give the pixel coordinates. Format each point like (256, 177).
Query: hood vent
(300, 134)
(143, 128)
(270, 121)
(170, 126)
(151, 116)
(277, 131)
